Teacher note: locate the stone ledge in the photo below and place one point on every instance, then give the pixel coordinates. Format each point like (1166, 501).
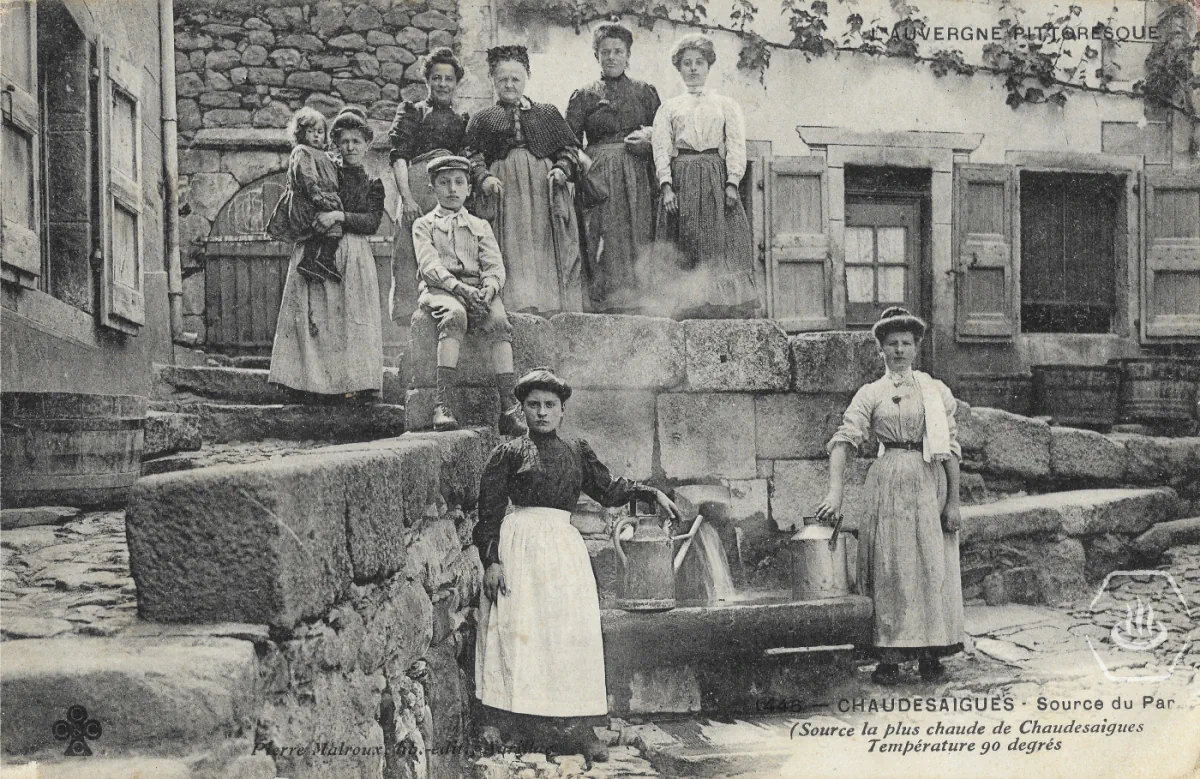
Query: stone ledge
(170, 432)
(1165, 535)
(222, 423)
(147, 693)
(1075, 513)
(737, 629)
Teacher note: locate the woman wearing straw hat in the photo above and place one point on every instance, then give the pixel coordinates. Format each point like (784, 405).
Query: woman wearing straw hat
(539, 662)
(908, 544)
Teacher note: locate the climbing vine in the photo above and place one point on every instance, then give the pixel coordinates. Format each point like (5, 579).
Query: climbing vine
(1038, 64)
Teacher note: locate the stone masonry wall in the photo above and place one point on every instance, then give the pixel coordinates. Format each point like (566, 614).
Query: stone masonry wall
(353, 574)
(738, 412)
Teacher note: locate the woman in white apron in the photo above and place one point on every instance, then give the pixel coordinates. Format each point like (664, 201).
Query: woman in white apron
(539, 653)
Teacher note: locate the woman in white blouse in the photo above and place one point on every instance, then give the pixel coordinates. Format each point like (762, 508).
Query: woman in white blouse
(703, 247)
(908, 540)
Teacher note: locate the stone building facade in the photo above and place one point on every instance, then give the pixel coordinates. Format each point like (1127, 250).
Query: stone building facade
(83, 276)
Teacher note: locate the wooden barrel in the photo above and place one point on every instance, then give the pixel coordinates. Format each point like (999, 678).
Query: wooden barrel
(1157, 388)
(70, 449)
(1077, 395)
(1012, 392)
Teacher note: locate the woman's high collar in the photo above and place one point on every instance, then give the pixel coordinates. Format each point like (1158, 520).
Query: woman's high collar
(700, 91)
(541, 438)
(524, 104)
(900, 377)
(613, 79)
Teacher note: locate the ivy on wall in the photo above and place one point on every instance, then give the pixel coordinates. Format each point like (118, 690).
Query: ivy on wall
(1036, 68)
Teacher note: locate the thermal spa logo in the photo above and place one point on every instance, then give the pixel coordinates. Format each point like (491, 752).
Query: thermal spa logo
(1148, 609)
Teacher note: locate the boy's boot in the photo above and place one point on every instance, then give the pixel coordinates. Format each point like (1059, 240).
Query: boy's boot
(512, 418)
(443, 417)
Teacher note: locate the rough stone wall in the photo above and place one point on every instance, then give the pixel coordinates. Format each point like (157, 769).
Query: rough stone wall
(243, 68)
(251, 64)
(356, 573)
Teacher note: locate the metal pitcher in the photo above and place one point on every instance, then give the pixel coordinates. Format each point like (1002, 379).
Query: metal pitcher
(819, 564)
(647, 562)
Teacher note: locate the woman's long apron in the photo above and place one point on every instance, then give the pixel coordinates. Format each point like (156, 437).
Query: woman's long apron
(539, 648)
(403, 295)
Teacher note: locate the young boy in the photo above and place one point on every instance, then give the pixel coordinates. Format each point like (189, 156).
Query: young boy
(461, 273)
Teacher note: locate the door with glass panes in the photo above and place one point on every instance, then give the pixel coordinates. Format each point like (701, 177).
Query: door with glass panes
(883, 259)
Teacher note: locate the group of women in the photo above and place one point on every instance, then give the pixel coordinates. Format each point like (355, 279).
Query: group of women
(539, 656)
(624, 205)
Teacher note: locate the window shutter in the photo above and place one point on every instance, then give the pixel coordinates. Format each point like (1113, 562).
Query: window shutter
(122, 302)
(986, 254)
(1171, 268)
(20, 142)
(799, 260)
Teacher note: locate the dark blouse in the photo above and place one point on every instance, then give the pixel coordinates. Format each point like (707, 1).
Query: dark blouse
(547, 471)
(362, 200)
(498, 129)
(607, 110)
(422, 127)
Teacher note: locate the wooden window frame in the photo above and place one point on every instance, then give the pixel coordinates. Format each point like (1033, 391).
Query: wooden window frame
(20, 245)
(122, 307)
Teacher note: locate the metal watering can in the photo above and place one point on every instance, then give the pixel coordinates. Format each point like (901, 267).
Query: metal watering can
(819, 560)
(648, 562)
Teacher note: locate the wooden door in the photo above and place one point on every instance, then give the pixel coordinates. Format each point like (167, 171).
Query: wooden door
(883, 258)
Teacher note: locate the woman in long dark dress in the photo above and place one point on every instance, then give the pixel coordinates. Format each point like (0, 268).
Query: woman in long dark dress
(523, 157)
(703, 244)
(908, 546)
(329, 336)
(420, 131)
(539, 652)
(613, 117)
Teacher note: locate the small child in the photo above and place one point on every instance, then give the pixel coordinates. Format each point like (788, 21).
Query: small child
(460, 274)
(312, 187)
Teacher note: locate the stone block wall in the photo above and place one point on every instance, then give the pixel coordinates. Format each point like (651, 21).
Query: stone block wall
(352, 573)
(739, 412)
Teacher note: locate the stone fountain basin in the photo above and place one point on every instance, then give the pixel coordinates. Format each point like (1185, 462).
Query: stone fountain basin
(747, 626)
(712, 656)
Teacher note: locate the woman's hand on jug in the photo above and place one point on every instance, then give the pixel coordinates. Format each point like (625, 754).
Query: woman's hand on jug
(668, 505)
(832, 505)
(951, 517)
(493, 582)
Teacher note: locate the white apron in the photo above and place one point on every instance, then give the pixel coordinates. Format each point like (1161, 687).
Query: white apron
(539, 649)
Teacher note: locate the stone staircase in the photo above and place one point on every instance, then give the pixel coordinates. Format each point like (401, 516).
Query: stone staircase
(196, 405)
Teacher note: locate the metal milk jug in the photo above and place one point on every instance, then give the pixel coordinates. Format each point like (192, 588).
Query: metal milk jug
(819, 568)
(645, 569)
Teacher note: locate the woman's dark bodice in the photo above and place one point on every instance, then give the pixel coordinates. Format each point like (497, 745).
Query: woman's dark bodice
(546, 471)
(424, 126)
(362, 200)
(607, 110)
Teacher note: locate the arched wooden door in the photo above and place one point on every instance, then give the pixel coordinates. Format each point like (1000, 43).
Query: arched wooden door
(245, 270)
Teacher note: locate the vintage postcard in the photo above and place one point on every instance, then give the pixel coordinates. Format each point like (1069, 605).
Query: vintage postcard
(520, 389)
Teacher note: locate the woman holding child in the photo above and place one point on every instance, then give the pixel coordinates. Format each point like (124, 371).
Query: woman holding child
(329, 338)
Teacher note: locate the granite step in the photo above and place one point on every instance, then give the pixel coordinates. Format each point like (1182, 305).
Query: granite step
(1072, 513)
(169, 432)
(242, 385)
(221, 423)
(161, 696)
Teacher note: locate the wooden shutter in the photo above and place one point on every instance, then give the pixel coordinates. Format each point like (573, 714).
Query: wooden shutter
(986, 256)
(1171, 265)
(122, 302)
(799, 260)
(20, 142)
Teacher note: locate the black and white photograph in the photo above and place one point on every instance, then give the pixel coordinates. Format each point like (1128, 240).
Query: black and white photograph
(599, 389)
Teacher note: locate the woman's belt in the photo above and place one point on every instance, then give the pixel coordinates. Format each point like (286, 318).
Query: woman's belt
(912, 446)
(687, 152)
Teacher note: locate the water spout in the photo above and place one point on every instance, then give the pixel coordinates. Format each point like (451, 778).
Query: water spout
(704, 574)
